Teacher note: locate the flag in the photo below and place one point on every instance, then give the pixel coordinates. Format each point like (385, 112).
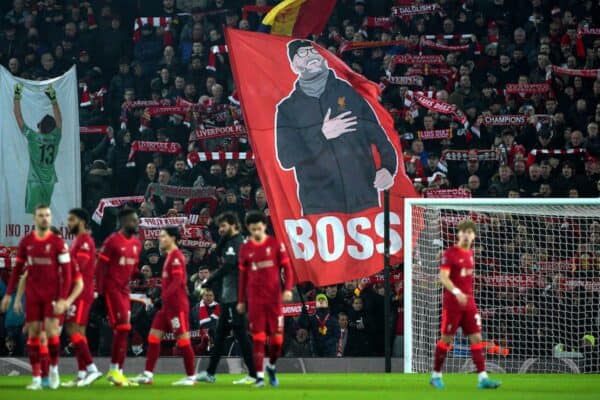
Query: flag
(326, 149)
(298, 18)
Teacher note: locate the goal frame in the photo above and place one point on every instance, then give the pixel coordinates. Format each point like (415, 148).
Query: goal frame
(409, 203)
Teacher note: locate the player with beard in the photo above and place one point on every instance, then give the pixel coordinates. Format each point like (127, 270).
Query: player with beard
(227, 277)
(262, 260)
(174, 313)
(79, 302)
(48, 283)
(117, 260)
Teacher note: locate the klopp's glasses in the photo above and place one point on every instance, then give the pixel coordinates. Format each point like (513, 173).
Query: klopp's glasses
(304, 51)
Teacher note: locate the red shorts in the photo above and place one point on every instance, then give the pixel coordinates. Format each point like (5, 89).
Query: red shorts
(267, 318)
(79, 312)
(172, 320)
(467, 317)
(38, 309)
(119, 308)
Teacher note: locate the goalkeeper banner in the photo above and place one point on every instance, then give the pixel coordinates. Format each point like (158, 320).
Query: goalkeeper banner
(328, 149)
(38, 168)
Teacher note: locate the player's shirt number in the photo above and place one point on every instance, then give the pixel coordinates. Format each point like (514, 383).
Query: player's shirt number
(47, 154)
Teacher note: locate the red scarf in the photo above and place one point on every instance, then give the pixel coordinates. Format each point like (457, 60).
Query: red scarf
(445, 47)
(94, 129)
(411, 59)
(434, 134)
(322, 323)
(413, 80)
(378, 22)
(349, 46)
(231, 131)
(201, 156)
(113, 202)
(415, 9)
(584, 73)
(439, 107)
(152, 147)
(212, 56)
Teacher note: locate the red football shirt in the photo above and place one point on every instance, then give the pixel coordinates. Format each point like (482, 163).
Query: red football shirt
(260, 266)
(173, 283)
(83, 251)
(461, 264)
(48, 267)
(117, 260)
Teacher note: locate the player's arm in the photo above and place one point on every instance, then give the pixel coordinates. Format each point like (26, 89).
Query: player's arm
(51, 93)
(18, 303)
(230, 262)
(177, 281)
(17, 106)
(102, 266)
(447, 283)
(286, 266)
(242, 281)
(64, 261)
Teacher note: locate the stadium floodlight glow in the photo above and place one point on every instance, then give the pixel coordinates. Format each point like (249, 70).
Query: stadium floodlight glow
(537, 273)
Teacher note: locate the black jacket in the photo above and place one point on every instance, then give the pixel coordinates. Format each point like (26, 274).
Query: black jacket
(227, 250)
(333, 175)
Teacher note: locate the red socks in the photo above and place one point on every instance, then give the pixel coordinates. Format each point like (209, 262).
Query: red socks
(54, 349)
(478, 356)
(119, 344)
(259, 340)
(441, 351)
(275, 345)
(82, 351)
(185, 346)
(152, 353)
(33, 351)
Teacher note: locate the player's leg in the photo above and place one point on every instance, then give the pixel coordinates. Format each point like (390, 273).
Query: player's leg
(449, 325)
(34, 329)
(275, 329)
(44, 358)
(154, 339)
(240, 332)
(180, 327)
(257, 318)
(52, 328)
(471, 326)
(223, 327)
(75, 326)
(118, 310)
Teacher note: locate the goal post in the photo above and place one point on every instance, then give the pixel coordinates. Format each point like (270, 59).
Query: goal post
(536, 283)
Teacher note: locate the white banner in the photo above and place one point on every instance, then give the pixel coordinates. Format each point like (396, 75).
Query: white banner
(38, 167)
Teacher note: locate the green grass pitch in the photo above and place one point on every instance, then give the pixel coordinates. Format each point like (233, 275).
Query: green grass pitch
(328, 387)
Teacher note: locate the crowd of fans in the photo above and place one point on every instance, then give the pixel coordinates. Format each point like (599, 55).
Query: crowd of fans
(122, 60)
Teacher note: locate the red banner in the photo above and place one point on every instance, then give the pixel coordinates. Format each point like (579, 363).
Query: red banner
(328, 149)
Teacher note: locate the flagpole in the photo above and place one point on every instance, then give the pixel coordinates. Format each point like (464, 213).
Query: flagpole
(386, 282)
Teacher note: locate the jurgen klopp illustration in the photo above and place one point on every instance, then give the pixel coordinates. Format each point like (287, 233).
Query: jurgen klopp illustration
(325, 132)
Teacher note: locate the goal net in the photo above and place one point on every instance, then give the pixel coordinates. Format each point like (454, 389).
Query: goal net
(537, 283)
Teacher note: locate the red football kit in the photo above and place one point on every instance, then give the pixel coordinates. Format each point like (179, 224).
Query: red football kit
(48, 274)
(260, 266)
(461, 264)
(174, 313)
(83, 254)
(117, 260)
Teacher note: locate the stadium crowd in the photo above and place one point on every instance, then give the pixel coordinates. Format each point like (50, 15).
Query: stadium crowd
(166, 78)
